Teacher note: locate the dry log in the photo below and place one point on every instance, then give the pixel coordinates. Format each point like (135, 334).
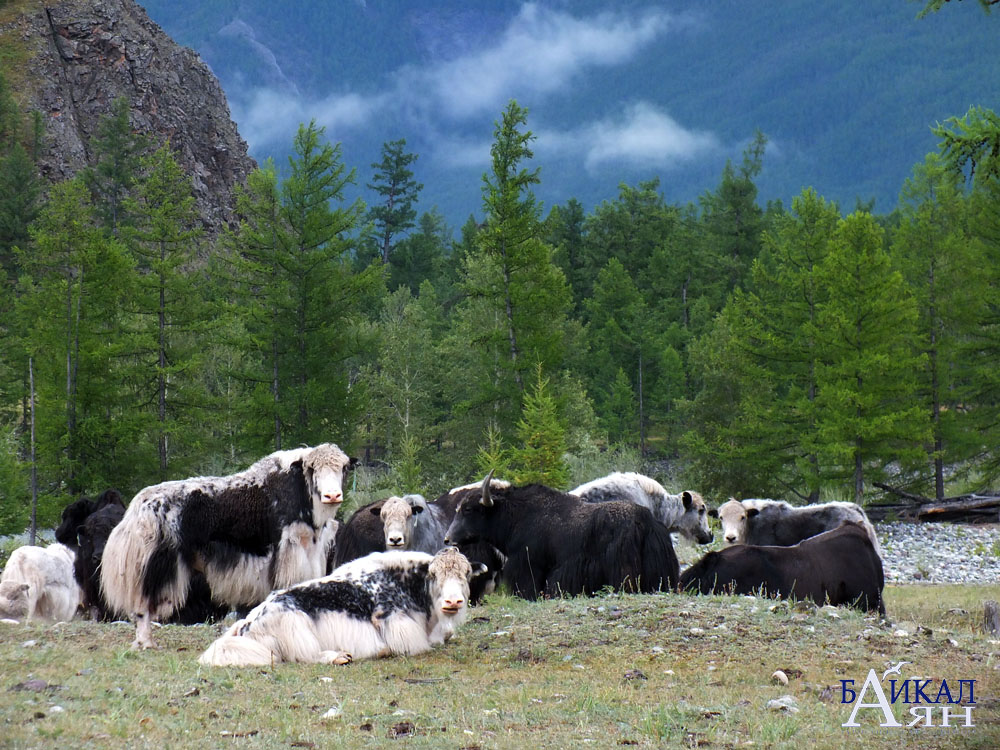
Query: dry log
(957, 506)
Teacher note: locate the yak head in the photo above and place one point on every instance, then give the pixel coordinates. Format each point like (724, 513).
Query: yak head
(399, 517)
(735, 517)
(474, 515)
(326, 468)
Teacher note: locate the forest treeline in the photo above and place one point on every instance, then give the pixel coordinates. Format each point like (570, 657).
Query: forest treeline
(783, 351)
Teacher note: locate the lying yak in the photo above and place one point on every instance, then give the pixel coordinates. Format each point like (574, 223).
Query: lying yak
(249, 533)
(38, 583)
(684, 512)
(412, 523)
(383, 604)
(777, 522)
(836, 567)
(557, 544)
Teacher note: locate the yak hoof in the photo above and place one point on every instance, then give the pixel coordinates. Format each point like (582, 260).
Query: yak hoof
(146, 643)
(335, 657)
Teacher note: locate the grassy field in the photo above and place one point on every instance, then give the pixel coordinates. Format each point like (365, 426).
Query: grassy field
(612, 671)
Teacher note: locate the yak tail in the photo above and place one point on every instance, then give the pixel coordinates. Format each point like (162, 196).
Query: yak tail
(140, 570)
(237, 651)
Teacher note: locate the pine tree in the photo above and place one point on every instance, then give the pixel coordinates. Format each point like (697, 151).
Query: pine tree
(75, 286)
(297, 298)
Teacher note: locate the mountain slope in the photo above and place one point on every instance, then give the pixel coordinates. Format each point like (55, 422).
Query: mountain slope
(70, 60)
(846, 92)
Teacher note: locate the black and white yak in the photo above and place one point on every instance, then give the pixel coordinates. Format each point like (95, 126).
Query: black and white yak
(684, 512)
(383, 604)
(775, 522)
(557, 544)
(92, 536)
(412, 523)
(267, 527)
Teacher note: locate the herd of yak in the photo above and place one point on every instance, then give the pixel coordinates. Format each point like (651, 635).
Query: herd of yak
(398, 575)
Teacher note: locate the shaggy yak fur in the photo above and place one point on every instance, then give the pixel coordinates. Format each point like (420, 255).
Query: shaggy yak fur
(422, 526)
(248, 533)
(684, 512)
(74, 515)
(38, 583)
(93, 535)
(557, 544)
(383, 604)
(836, 567)
(775, 522)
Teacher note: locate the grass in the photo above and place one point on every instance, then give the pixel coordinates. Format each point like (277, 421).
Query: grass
(644, 671)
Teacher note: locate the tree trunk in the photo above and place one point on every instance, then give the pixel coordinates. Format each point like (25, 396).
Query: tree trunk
(162, 362)
(509, 309)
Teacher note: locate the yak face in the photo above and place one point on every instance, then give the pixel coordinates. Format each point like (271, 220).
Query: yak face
(694, 522)
(734, 516)
(473, 516)
(73, 516)
(326, 468)
(448, 578)
(399, 516)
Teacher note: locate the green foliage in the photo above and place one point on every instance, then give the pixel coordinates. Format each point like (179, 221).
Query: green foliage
(297, 299)
(865, 329)
(393, 181)
(15, 499)
(541, 435)
(119, 150)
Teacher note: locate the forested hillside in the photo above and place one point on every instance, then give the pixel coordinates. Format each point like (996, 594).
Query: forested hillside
(847, 93)
(793, 350)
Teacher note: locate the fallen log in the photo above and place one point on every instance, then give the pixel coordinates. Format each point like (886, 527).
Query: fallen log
(953, 508)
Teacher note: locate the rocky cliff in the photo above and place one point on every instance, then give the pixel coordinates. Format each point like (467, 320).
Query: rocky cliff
(78, 56)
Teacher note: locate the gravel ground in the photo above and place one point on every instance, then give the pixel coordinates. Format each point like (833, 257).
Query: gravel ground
(940, 552)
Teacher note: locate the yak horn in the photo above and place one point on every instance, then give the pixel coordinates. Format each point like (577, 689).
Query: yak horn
(486, 500)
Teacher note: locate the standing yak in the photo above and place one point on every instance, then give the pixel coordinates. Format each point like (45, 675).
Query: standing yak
(557, 544)
(248, 533)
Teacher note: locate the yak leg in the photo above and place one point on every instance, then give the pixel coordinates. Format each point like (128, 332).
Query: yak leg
(143, 632)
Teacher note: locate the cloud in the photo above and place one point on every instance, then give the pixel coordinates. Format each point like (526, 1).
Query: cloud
(268, 116)
(539, 52)
(642, 135)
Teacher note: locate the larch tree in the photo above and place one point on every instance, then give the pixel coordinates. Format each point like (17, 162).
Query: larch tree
(398, 191)
(163, 237)
(869, 412)
(933, 246)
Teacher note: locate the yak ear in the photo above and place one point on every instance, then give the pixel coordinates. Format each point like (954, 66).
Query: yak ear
(713, 512)
(751, 512)
(687, 499)
(416, 509)
(375, 510)
(487, 500)
(352, 463)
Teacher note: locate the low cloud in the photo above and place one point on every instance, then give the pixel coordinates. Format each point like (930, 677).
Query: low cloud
(642, 135)
(269, 117)
(540, 52)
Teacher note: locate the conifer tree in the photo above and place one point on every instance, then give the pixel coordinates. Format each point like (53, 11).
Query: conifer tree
(936, 253)
(119, 151)
(163, 238)
(541, 439)
(869, 412)
(393, 181)
(76, 284)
